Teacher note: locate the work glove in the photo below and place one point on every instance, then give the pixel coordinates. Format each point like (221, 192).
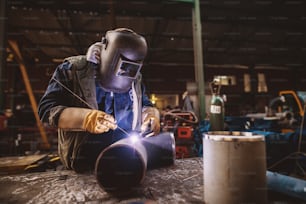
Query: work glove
(150, 121)
(83, 119)
(93, 53)
(98, 122)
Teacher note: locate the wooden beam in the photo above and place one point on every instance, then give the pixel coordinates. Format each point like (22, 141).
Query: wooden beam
(18, 164)
(15, 49)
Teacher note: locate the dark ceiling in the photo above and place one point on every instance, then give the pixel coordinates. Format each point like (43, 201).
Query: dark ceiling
(235, 34)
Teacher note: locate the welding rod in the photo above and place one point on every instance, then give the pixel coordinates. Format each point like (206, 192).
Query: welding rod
(85, 102)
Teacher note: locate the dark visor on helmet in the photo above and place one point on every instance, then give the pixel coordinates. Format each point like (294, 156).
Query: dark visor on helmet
(127, 68)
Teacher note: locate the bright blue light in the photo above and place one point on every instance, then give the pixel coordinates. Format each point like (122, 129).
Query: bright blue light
(134, 137)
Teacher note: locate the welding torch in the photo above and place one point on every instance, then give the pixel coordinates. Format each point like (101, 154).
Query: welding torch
(146, 130)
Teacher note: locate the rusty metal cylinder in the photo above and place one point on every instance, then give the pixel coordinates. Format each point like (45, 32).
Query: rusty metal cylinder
(234, 168)
(122, 166)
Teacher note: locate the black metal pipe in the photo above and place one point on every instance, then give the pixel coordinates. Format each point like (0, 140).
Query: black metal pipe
(122, 166)
(160, 150)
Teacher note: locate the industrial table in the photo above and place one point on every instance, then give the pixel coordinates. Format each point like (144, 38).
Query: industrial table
(180, 183)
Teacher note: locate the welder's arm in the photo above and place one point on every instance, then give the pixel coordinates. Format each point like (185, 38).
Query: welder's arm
(93, 121)
(150, 120)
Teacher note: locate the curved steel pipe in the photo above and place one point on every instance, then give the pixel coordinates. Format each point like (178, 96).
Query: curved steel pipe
(160, 150)
(122, 166)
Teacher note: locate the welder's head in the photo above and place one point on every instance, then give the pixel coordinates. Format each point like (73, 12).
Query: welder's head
(122, 54)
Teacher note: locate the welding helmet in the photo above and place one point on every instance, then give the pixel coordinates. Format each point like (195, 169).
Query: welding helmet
(122, 54)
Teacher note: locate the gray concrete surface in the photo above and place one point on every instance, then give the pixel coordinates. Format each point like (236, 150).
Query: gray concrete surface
(180, 183)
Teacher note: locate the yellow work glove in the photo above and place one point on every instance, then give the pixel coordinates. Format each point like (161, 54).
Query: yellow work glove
(150, 120)
(98, 122)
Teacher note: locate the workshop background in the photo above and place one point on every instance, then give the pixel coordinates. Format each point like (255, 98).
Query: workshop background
(255, 51)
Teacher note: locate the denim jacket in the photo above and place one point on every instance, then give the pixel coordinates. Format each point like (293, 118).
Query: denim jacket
(74, 84)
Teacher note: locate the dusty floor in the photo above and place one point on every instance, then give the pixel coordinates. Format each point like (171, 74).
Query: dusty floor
(181, 183)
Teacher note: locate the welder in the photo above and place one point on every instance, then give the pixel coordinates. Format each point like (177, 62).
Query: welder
(97, 99)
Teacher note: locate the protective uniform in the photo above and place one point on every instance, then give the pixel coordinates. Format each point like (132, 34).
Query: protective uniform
(77, 96)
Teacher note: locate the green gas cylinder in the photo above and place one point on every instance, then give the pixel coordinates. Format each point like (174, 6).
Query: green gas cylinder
(216, 116)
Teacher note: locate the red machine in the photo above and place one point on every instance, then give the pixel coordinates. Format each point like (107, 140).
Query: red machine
(181, 123)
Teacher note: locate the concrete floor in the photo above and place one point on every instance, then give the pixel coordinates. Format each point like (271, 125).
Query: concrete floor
(181, 183)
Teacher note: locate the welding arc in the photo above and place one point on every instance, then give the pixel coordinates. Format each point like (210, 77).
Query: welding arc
(85, 102)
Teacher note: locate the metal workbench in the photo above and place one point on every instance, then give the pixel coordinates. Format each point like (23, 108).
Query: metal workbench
(180, 183)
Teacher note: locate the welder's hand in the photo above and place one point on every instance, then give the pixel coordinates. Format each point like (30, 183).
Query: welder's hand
(93, 53)
(151, 123)
(98, 122)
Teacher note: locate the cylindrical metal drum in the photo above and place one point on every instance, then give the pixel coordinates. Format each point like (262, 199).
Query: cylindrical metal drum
(234, 168)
